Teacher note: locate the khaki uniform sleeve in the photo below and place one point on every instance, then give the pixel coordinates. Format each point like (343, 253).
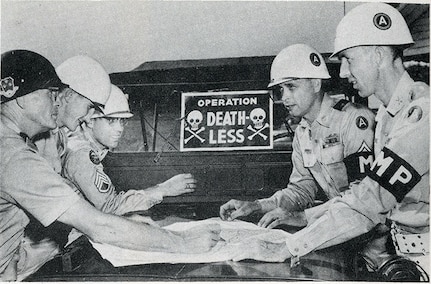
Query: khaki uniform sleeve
(33, 184)
(132, 201)
(97, 187)
(358, 139)
(399, 176)
(90, 178)
(300, 191)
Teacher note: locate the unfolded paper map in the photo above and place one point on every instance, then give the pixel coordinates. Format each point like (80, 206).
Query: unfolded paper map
(233, 232)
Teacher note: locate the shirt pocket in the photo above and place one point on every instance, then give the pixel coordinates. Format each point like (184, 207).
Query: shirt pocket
(331, 154)
(332, 160)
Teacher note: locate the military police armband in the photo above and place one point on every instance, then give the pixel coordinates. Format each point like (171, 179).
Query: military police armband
(394, 174)
(359, 163)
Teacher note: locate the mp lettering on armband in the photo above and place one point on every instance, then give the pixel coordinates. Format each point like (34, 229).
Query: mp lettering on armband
(359, 163)
(394, 174)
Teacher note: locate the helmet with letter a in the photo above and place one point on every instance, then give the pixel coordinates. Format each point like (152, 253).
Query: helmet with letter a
(372, 24)
(298, 61)
(25, 71)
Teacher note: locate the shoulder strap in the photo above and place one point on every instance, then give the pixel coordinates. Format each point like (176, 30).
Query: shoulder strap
(341, 104)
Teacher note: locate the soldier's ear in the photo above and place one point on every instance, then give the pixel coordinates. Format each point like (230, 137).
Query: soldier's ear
(20, 101)
(26, 100)
(380, 53)
(317, 85)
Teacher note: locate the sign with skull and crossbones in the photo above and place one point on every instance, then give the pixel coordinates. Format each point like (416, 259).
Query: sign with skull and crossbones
(236, 120)
(194, 119)
(258, 116)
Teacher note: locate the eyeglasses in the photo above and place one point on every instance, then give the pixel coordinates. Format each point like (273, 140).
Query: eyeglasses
(113, 120)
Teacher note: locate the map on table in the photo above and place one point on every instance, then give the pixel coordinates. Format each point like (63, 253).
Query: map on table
(235, 233)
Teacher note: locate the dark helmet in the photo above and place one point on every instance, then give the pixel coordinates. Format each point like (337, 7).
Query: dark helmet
(23, 72)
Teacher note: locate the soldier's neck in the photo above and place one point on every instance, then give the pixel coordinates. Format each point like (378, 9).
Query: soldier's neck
(314, 110)
(389, 78)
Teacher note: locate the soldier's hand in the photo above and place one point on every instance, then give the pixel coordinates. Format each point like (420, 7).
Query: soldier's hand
(262, 250)
(279, 216)
(179, 184)
(237, 208)
(200, 239)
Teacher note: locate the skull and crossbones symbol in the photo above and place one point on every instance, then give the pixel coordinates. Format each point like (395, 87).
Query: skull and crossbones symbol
(258, 116)
(194, 119)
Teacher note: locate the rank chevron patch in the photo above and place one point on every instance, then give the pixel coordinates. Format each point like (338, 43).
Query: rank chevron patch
(102, 182)
(364, 148)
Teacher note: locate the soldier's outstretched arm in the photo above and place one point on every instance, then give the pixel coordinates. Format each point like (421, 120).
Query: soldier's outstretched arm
(125, 233)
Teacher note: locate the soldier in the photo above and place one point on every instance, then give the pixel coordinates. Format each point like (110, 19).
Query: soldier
(30, 188)
(89, 89)
(331, 146)
(370, 40)
(86, 149)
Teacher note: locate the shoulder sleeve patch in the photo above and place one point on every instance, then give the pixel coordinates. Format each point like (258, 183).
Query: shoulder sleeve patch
(394, 174)
(362, 123)
(341, 104)
(94, 158)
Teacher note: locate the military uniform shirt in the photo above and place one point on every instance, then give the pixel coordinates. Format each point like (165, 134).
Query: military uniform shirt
(28, 186)
(51, 146)
(331, 152)
(397, 187)
(82, 165)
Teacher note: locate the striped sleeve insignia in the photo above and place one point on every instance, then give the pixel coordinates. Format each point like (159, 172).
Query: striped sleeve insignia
(358, 164)
(102, 182)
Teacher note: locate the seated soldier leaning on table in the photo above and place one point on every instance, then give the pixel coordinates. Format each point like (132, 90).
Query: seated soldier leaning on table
(394, 196)
(87, 147)
(331, 147)
(31, 188)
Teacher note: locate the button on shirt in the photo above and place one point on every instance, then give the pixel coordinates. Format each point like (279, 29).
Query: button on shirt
(397, 187)
(28, 185)
(319, 155)
(82, 165)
